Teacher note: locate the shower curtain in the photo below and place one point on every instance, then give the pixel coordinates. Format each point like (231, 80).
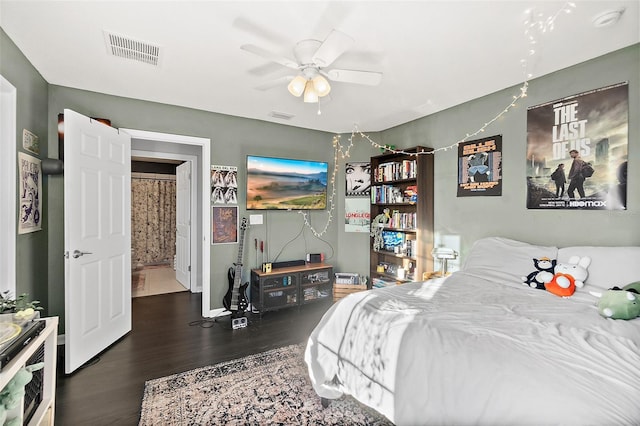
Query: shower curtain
(153, 220)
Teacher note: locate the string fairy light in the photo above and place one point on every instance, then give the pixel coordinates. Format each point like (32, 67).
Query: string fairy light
(535, 24)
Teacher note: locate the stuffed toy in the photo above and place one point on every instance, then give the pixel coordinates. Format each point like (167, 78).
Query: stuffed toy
(376, 228)
(620, 303)
(12, 394)
(569, 276)
(542, 275)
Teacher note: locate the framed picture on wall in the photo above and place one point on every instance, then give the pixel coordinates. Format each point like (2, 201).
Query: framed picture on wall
(480, 167)
(30, 170)
(224, 224)
(358, 179)
(577, 151)
(356, 215)
(224, 184)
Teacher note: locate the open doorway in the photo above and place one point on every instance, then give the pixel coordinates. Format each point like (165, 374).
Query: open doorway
(154, 205)
(196, 152)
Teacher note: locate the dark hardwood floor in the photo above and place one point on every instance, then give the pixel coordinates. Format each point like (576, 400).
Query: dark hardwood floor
(108, 390)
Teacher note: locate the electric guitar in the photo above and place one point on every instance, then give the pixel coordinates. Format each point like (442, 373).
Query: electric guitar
(235, 299)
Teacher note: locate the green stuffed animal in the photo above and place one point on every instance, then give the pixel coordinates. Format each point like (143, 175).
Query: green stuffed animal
(12, 394)
(621, 303)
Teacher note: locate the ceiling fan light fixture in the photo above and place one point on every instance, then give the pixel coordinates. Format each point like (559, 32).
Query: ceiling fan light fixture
(321, 85)
(297, 86)
(310, 94)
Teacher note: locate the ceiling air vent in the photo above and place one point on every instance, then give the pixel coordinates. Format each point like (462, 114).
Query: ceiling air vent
(281, 115)
(129, 48)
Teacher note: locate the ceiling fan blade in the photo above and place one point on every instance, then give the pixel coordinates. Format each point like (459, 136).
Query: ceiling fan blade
(282, 81)
(331, 48)
(369, 78)
(269, 55)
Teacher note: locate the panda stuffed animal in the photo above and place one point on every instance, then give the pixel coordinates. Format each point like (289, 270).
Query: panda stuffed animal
(537, 279)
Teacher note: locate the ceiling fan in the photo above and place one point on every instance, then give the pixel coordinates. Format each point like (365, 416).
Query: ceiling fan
(312, 58)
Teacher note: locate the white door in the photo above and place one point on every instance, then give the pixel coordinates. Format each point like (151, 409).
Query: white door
(183, 224)
(97, 204)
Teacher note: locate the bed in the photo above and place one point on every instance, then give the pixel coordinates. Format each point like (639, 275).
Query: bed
(480, 347)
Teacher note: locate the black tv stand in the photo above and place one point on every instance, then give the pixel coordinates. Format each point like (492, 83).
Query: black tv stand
(291, 286)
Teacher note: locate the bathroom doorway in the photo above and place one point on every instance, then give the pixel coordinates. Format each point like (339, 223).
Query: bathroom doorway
(153, 227)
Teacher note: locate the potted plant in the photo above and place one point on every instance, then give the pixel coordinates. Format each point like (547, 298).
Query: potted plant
(20, 308)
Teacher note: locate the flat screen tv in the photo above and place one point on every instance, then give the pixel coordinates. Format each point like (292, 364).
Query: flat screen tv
(286, 184)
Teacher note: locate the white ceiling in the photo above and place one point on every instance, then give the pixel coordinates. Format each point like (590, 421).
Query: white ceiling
(433, 54)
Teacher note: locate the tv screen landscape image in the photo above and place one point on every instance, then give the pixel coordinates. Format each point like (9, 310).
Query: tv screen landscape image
(286, 184)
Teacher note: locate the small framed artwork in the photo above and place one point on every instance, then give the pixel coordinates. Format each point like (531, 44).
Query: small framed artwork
(358, 179)
(480, 167)
(224, 184)
(30, 142)
(224, 224)
(30, 169)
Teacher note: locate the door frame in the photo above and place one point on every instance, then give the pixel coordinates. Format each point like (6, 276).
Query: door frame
(203, 170)
(8, 195)
(194, 261)
(183, 192)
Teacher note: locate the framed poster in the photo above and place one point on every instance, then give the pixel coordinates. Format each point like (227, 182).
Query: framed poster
(358, 179)
(357, 215)
(480, 167)
(224, 225)
(577, 151)
(224, 185)
(30, 169)
(30, 142)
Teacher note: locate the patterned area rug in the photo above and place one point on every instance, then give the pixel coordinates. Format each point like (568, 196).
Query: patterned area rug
(268, 388)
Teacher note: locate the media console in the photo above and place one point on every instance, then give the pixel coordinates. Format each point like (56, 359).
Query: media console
(290, 286)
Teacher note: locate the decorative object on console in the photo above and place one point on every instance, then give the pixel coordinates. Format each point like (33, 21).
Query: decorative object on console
(315, 257)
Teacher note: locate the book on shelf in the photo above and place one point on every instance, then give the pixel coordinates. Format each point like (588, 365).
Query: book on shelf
(380, 283)
(395, 170)
(400, 220)
(387, 194)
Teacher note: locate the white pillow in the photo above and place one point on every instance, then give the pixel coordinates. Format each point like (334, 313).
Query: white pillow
(610, 266)
(503, 260)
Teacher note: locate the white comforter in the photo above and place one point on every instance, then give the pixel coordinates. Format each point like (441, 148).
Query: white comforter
(466, 351)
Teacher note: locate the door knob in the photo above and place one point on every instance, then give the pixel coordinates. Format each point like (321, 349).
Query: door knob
(78, 253)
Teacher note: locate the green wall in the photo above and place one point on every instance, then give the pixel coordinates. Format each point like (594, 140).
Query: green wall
(471, 218)
(31, 114)
(466, 219)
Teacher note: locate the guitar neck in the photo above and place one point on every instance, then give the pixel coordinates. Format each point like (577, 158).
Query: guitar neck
(237, 298)
(238, 275)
